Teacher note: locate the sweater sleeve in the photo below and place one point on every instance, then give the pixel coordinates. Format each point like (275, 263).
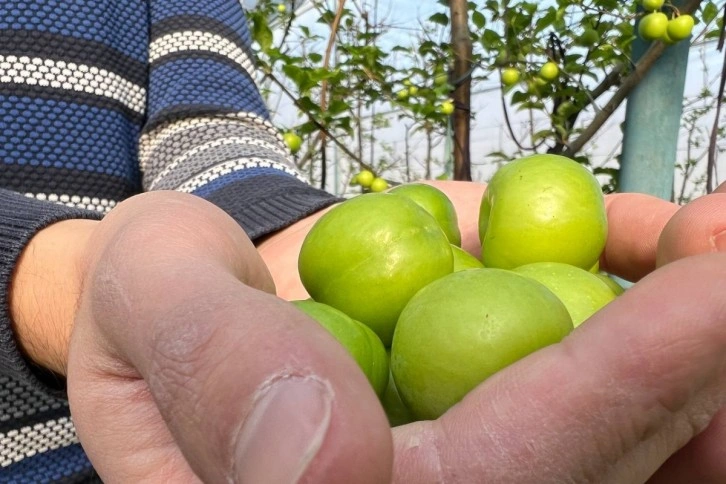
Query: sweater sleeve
(20, 219)
(208, 131)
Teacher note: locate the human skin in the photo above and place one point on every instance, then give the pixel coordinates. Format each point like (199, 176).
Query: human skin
(637, 389)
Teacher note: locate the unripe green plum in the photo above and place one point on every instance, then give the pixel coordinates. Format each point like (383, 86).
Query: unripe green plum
(653, 26)
(461, 329)
(542, 208)
(436, 203)
(582, 292)
(369, 255)
(361, 342)
(464, 260)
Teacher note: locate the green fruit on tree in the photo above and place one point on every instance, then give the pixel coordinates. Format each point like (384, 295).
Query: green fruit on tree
(281, 8)
(611, 283)
(666, 39)
(369, 255)
(510, 76)
(402, 94)
(589, 37)
(652, 5)
(549, 71)
(583, 293)
(379, 185)
(464, 260)
(653, 26)
(680, 28)
(396, 410)
(293, 141)
(463, 328)
(365, 178)
(441, 79)
(361, 342)
(447, 108)
(412, 90)
(542, 208)
(435, 202)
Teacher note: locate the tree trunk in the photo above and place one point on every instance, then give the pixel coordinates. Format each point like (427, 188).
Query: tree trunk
(461, 44)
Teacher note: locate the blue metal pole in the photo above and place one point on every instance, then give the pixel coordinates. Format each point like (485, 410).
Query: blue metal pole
(652, 123)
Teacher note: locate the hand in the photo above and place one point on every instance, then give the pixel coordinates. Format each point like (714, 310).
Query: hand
(636, 389)
(183, 366)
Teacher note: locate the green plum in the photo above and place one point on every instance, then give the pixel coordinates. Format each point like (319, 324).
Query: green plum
(369, 255)
(653, 26)
(396, 410)
(435, 202)
(582, 292)
(542, 208)
(464, 260)
(463, 328)
(361, 342)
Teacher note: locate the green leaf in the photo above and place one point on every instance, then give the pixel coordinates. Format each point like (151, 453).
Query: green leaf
(478, 18)
(709, 12)
(490, 39)
(261, 32)
(439, 18)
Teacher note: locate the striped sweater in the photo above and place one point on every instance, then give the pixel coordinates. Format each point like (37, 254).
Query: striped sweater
(100, 100)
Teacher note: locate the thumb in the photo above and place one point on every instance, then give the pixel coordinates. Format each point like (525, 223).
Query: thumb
(205, 370)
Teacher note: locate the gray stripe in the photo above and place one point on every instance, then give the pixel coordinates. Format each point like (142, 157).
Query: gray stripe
(209, 158)
(184, 141)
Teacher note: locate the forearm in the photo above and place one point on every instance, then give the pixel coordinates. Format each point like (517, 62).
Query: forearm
(44, 290)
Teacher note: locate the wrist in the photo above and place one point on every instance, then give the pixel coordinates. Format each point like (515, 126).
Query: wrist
(44, 292)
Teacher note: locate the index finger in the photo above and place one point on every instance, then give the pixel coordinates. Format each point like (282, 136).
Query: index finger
(635, 222)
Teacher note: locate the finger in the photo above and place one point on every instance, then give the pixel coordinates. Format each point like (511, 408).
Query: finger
(251, 389)
(721, 188)
(609, 404)
(635, 221)
(697, 228)
(703, 460)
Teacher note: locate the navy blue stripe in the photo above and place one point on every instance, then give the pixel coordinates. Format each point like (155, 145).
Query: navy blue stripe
(69, 96)
(226, 12)
(46, 45)
(235, 177)
(66, 464)
(196, 86)
(123, 24)
(32, 179)
(200, 54)
(43, 134)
